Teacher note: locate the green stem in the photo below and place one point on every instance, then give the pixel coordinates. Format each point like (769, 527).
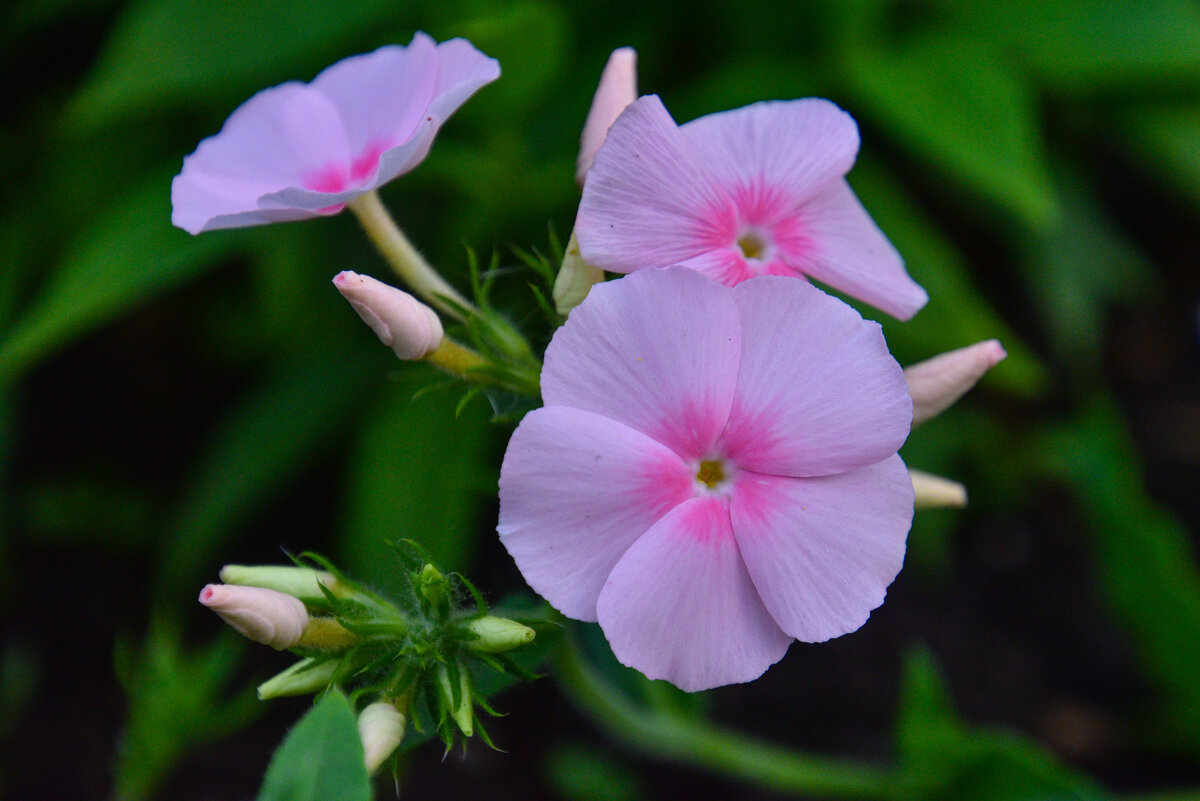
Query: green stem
(704, 745)
(404, 259)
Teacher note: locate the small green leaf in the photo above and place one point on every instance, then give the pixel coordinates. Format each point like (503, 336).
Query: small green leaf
(128, 254)
(954, 103)
(321, 759)
(1163, 136)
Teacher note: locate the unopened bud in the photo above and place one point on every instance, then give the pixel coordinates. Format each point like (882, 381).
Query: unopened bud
(935, 492)
(433, 585)
(935, 384)
(266, 616)
(381, 728)
(463, 712)
(304, 677)
(403, 323)
(575, 279)
(302, 582)
(617, 89)
(497, 634)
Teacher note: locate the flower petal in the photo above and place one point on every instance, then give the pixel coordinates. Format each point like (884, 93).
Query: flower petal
(797, 146)
(644, 200)
(817, 391)
(657, 350)
(822, 551)
(680, 606)
(846, 250)
(576, 489)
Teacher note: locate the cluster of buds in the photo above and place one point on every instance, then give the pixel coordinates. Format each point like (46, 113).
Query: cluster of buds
(401, 657)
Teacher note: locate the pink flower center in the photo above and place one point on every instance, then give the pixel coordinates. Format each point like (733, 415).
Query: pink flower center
(754, 244)
(338, 176)
(714, 476)
(711, 473)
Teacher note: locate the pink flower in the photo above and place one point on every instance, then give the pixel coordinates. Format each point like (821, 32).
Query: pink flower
(714, 473)
(406, 325)
(305, 150)
(935, 384)
(756, 191)
(267, 616)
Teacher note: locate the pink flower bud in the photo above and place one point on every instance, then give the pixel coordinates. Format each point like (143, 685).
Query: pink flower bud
(266, 616)
(406, 325)
(617, 89)
(381, 728)
(935, 384)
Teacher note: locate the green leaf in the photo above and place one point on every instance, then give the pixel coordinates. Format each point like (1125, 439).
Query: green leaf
(321, 759)
(1163, 136)
(417, 472)
(178, 700)
(262, 445)
(957, 314)
(954, 103)
(128, 254)
(1144, 557)
(180, 50)
(1094, 46)
(941, 759)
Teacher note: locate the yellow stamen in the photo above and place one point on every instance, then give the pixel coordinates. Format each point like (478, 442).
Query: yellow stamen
(711, 473)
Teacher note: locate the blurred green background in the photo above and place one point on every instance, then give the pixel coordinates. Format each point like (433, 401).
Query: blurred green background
(169, 404)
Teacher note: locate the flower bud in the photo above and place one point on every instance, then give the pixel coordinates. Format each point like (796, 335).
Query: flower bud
(497, 634)
(935, 492)
(266, 616)
(403, 323)
(433, 585)
(617, 89)
(302, 582)
(575, 279)
(381, 728)
(463, 712)
(304, 677)
(936, 383)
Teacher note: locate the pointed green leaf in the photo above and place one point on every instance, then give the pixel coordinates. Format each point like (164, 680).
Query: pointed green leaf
(955, 104)
(321, 759)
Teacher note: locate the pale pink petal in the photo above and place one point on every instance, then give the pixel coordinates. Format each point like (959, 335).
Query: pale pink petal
(795, 147)
(657, 350)
(817, 392)
(406, 325)
(846, 250)
(645, 201)
(935, 384)
(576, 489)
(617, 89)
(267, 616)
(680, 605)
(822, 551)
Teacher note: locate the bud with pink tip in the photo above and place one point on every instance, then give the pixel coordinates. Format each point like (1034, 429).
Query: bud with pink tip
(381, 728)
(266, 616)
(406, 325)
(617, 89)
(936, 383)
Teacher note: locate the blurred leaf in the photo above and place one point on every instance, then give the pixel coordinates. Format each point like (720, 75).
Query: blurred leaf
(20, 678)
(177, 701)
(321, 759)
(954, 103)
(1091, 46)
(957, 313)
(417, 472)
(943, 760)
(581, 773)
(529, 38)
(175, 50)
(1143, 555)
(1164, 137)
(260, 446)
(127, 254)
(87, 508)
(1081, 268)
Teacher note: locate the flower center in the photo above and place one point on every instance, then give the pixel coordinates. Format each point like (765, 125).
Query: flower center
(752, 244)
(711, 473)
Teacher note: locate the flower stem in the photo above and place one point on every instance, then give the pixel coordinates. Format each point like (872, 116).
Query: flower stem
(404, 259)
(705, 745)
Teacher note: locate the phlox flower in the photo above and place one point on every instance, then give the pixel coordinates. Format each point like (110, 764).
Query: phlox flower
(714, 473)
(760, 190)
(302, 150)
